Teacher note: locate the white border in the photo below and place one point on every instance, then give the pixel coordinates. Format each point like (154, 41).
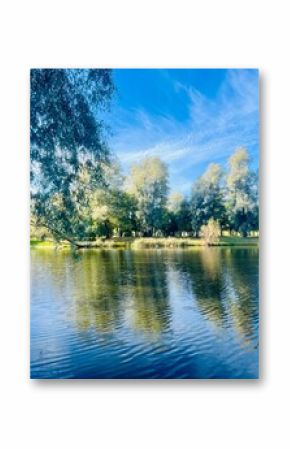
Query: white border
(202, 414)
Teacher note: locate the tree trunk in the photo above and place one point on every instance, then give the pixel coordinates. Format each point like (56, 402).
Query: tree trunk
(64, 237)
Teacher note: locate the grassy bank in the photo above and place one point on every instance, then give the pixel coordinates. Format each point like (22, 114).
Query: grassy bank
(42, 244)
(187, 242)
(150, 242)
(111, 243)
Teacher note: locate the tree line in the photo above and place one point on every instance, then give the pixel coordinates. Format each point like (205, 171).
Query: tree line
(78, 191)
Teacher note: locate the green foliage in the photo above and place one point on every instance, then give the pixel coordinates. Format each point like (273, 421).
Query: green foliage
(148, 183)
(179, 214)
(78, 192)
(123, 212)
(183, 217)
(174, 202)
(207, 199)
(242, 194)
(68, 151)
(211, 232)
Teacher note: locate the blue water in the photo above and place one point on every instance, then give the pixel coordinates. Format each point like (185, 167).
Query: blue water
(144, 313)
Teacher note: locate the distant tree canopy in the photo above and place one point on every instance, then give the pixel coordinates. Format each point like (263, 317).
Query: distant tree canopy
(242, 194)
(207, 198)
(78, 191)
(148, 183)
(178, 219)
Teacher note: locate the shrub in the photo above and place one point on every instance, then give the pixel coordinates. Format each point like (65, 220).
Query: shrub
(211, 232)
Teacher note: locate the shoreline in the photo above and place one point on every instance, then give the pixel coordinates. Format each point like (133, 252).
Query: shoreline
(147, 243)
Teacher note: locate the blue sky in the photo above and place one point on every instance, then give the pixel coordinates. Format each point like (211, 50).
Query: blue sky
(187, 117)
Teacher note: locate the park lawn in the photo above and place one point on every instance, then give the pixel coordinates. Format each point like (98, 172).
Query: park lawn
(42, 243)
(238, 241)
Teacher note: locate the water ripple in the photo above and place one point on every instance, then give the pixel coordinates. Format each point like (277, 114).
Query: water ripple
(145, 314)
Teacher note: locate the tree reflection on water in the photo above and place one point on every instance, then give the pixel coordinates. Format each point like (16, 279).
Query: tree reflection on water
(108, 288)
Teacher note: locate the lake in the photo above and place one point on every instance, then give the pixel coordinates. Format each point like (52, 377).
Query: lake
(188, 313)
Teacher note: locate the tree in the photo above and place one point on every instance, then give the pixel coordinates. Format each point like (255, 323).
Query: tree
(183, 217)
(242, 194)
(254, 213)
(123, 212)
(170, 225)
(174, 202)
(196, 204)
(207, 200)
(148, 182)
(68, 150)
(179, 213)
(211, 232)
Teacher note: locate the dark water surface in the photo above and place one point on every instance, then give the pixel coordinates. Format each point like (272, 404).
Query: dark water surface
(145, 313)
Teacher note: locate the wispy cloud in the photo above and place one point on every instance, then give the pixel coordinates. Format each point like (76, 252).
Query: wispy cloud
(214, 127)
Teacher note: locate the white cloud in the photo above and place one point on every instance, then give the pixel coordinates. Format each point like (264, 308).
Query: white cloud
(214, 128)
